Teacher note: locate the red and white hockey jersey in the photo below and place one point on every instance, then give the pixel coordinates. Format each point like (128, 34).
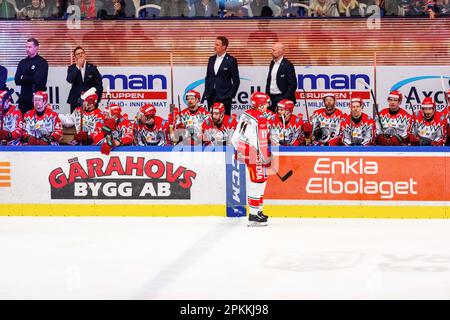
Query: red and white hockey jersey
(192, 123)
(446, 113)
(123, 132)
(219, 136)
(287, 134)
(399, 123)
(46, 125)
(251, 137)
(269, 114)
(155, 136)
(360, 133)
(329, 125)
(431, 131)
(12, 119)
(90, 119)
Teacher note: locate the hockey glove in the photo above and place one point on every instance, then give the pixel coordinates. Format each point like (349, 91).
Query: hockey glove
(106, 148)
(82, 137)
(414, 140)
(109, 125)
(5, 135)
(307, 128)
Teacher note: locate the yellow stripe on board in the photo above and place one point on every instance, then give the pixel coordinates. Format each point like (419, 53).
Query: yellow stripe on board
(276, 211)
(106, 210)
(384, 212)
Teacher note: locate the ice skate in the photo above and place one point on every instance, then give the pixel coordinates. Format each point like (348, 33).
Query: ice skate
(258, 220)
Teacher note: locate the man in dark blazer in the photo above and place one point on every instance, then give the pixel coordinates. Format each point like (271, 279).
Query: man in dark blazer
(281, 80)
(222, 76)
(31, 75)
(83, 76)
(3, 77)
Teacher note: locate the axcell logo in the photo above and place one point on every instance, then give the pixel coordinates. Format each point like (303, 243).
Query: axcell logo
(413, 90)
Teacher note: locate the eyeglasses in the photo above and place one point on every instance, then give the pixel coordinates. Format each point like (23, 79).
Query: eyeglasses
(80, 53)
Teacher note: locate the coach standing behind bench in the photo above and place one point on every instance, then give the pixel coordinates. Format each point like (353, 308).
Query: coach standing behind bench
(281, 80)
(31, 75)
(83, 76)
(222, 76)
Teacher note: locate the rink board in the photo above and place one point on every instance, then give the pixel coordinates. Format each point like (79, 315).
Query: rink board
(328, 182)
(67, 181)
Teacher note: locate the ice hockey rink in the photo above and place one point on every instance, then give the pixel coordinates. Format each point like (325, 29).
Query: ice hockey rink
(221, 258)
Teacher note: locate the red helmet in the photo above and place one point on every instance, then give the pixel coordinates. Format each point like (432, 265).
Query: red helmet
(218, 107)
(194, 93)
(396, 95)
(286, 104)
(92, 99)
(258, 99)
(90, 96)
(428, 102)
(329, 94)
(41, 94)
(114, 109)
(357, 99)
(148, 110)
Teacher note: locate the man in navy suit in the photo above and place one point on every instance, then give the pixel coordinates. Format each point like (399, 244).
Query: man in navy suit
(222, 76)
(3, 76)
(83, 76)
(281, 80)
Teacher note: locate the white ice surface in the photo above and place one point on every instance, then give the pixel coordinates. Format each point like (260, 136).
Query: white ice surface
(221, 258)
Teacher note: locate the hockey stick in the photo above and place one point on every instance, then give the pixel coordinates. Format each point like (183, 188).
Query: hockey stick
(180, 138)
(284, 128)
(443, 86)
(374, 99)
(306, 104)
(286, 176)
(446, 104)
(108, 138)
(172, 105)
(307, 140)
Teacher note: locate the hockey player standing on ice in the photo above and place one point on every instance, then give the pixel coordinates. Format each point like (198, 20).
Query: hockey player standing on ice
(430, 126)
(85, 118)
(251, 142)
(287, 128)
(10, 120)
(41, 125)
(396, 123)
(149, 129)
(192, 119)
(327, 122)
(116, 130)
(358, 129)
(218, 129)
